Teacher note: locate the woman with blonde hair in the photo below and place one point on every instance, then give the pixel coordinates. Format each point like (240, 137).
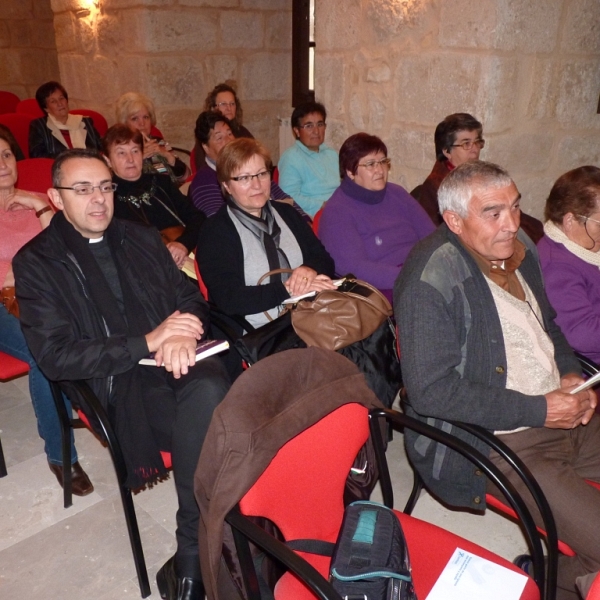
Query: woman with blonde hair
(137, 112)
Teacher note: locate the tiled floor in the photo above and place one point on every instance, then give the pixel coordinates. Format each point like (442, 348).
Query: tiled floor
(49, 553)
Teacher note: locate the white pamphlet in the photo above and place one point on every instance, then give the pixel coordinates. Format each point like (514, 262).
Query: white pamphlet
(470, 577)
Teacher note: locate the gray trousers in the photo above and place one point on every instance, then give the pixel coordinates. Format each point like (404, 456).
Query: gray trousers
(560, 460)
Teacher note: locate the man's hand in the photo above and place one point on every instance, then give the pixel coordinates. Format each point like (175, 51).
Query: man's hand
(567, 411)
(178, 353)
(178, 324)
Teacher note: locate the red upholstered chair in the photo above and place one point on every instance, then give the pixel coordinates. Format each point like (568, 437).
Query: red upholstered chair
(19, 127)
(8, 102)
(30, 107)
(315, 223)
(156, 132)
(301, 491)
(100, 123)
(35, 174)
(594, 592)
(193, 163)
(89, 406)
(10, 367)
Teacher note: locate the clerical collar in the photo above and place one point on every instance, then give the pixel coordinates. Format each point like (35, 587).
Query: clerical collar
(503, 275)
(96, 240)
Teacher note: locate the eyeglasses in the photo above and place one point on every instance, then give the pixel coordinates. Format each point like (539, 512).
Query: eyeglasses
(310, 126)
(88, 190)
(370, 165)
(470, 143)
(226, 105)
(588, 219)
(245, 180)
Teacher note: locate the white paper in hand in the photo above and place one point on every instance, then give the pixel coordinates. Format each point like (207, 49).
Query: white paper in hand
(470, 577)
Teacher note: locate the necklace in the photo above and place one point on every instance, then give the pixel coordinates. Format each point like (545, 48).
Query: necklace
(143, 198)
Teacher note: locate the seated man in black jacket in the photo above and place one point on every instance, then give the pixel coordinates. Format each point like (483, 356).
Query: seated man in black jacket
(96, 295)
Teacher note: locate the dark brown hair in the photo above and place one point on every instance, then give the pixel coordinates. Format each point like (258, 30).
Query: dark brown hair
(211, 100)
(121, 134)
(236, 154)
(46, 90)
(577, 192)
(445, 132)
(358, 146)
(9, 138)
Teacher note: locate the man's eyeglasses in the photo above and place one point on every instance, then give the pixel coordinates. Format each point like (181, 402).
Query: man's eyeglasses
(372, 164)
(469, 144)
(88, 190)
(226, 105)
(245, 180)
(310, 126)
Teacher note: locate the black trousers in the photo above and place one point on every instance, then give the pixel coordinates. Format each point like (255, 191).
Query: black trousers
(180, 411)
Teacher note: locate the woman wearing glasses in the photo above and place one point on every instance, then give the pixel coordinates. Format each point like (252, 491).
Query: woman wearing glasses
(369, 225)
(570, 258)
(22, 216)
(250, 235)
(223, 99)
(458, 139)
(308, 171)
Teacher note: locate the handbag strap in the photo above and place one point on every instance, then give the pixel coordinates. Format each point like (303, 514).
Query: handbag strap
(268, 274)
(375, 291)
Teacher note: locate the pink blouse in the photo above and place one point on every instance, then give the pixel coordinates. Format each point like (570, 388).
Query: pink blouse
(17, 227)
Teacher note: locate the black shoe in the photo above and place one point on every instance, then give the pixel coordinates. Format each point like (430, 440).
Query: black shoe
(172, 587)
(525, 563)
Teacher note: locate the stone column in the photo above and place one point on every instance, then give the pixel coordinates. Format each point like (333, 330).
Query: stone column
(529, 70)
(27, 46)
(175, 51)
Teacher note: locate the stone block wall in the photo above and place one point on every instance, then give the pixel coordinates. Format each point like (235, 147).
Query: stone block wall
(176, 51)
(27, 47)
(528, 69)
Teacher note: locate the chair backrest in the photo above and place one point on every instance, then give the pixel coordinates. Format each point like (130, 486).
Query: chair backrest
(8, 102)
(19, 127)
(193, 161)
(29, 106)
(201, 284)
(155, 132)
(35, 174)
(316, 220)
(100, 123)
(11, 367)
(302, 489)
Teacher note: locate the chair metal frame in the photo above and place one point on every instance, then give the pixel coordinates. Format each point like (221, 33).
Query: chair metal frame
(544, 578)
(245, 530)
(88, 399)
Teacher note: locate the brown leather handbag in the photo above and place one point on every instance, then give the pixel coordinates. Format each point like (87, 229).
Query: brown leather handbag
(9, 301)
(337, 318)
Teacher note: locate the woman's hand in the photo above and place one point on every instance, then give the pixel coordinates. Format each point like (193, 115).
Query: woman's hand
(9, 280)
(179, 253)
(152, 147)
(21, 200)
(305, 279)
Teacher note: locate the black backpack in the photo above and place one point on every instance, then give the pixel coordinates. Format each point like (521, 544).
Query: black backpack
(370, 560)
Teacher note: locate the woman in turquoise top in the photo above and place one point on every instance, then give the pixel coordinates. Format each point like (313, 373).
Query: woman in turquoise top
(309, 170)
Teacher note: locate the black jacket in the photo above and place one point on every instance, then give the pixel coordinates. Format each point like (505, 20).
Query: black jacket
(64, 331)
(220, 256)
(42, 144)
(166, 194)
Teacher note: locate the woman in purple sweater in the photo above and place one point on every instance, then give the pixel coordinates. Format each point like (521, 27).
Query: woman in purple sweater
(570, 257)
(369, 225)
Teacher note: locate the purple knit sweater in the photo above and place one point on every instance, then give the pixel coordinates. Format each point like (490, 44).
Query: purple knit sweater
(573, 288)
(370, 233)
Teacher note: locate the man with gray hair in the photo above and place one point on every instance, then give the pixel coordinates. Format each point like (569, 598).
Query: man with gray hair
(480, 345)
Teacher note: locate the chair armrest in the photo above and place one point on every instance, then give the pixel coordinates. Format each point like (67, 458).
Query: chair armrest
(297, 565)
(588, 366)
(547, 588)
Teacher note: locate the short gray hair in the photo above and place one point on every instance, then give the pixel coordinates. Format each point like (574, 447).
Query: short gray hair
(461, 183)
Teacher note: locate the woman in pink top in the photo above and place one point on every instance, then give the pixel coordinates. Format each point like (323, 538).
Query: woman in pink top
(22, 216)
